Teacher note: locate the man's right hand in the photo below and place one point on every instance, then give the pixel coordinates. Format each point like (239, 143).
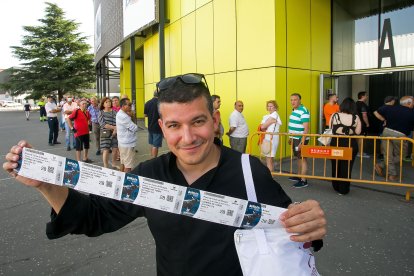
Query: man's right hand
(55, 195)
(11, 164)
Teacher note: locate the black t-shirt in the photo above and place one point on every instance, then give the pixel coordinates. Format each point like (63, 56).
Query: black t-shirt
(27, 107)
(399, 118)
(362, 107)
(151, 111)
(184, 246)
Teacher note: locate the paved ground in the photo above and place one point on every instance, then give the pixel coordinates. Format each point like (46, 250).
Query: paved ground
(370, 230)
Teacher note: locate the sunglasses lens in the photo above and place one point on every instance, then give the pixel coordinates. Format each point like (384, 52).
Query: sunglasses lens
(192, 78)
(165, 83)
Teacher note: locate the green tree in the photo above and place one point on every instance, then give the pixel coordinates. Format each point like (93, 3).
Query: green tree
(55, 58)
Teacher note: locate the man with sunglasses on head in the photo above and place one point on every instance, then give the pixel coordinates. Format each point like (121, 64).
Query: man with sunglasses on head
(185, 246)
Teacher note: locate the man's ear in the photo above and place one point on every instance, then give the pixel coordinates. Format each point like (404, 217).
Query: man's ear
(216, 119)
(161, 125)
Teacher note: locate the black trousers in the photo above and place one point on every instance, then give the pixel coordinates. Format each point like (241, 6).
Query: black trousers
(340, 167)
(53, 129)
(42, 111)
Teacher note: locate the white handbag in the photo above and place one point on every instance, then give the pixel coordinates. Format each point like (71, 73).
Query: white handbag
(265, 252)
(325, 140)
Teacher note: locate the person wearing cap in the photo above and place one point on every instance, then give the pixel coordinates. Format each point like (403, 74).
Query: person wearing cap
(52, 112)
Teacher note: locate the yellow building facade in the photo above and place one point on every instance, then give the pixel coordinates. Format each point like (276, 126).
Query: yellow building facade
(252, 51)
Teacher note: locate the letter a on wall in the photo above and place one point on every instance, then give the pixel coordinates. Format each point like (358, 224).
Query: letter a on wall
(384, 53)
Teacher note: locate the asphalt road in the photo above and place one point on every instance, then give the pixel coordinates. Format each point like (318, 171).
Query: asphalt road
(370, 231)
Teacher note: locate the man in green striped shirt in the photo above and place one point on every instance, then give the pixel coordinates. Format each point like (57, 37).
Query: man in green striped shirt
(299, 124)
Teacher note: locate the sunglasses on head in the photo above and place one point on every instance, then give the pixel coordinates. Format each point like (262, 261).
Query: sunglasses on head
(190, 78)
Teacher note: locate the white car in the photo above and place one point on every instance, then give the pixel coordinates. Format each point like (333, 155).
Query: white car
(10, 104)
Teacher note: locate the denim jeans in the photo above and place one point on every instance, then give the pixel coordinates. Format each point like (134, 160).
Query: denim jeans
(68, 135)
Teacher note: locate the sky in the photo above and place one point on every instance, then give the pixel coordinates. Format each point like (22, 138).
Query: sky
(14, 14)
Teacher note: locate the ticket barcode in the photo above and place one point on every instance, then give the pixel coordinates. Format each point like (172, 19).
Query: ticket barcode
(170, 198)
(108, 184)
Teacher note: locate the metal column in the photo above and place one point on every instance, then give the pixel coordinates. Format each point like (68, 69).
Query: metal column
(161, 26)
(132, 64)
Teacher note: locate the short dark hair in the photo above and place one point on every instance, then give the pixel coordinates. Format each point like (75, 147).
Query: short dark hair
(362, 94)
(330, 96)
(297, 95)
(214, 98)
(123, 102)
(348, 106)
(180, 92)
(390, 99)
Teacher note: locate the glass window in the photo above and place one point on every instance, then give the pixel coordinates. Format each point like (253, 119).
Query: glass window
(396, 37)
(372, 34)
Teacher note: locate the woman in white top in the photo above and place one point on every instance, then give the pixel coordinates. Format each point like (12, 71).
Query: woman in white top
(271, 123)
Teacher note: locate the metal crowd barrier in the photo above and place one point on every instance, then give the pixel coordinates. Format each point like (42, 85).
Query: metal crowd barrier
(319, 157)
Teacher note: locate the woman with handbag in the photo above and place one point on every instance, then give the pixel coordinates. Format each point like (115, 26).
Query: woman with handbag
(270, 123)
(345, 122)
(108, 141)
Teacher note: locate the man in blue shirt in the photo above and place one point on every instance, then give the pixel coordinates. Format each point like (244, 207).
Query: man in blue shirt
(94, 111)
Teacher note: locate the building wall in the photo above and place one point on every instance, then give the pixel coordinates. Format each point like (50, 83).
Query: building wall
(249, 50)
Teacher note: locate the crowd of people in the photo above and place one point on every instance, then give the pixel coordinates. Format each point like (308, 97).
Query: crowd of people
(196, 159)
(108, 123)
(350, 118)
(113, 127)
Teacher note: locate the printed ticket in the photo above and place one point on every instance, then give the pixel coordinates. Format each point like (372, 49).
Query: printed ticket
(42, 166)
(92, 179)
(147, 192)
(213, 207)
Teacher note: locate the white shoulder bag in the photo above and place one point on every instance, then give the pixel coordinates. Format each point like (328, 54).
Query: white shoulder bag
(265, 252)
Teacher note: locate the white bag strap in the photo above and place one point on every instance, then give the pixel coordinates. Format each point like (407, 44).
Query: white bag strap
(251, 196)
(248, 178)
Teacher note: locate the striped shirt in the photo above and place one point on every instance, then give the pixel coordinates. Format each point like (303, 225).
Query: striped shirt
(107, 118)
(297, 118)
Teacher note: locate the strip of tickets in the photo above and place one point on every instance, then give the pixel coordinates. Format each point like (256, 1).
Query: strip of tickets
(151, 193)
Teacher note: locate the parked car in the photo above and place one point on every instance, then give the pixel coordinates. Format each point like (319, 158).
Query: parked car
(10, 104)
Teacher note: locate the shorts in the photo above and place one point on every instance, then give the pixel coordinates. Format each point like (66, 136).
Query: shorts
(295, 143)
(155, 139)
(128, 157)
(82, 142)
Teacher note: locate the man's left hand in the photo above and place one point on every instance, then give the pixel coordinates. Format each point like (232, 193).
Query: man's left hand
(306, 220)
